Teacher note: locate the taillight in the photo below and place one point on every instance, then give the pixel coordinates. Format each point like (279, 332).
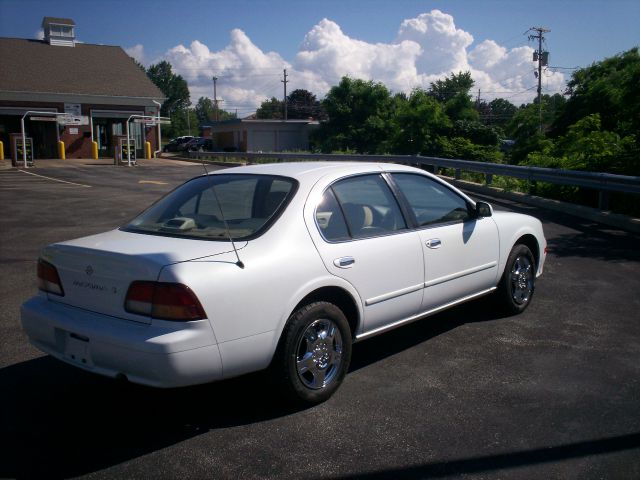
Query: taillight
(48, 278)
(166, 301)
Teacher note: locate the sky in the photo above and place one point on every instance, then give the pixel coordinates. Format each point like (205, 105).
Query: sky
(403, 43)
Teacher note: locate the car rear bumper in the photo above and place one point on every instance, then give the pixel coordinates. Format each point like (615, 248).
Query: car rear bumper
(162, 354)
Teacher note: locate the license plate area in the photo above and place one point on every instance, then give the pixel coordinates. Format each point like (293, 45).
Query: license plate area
(78, 349)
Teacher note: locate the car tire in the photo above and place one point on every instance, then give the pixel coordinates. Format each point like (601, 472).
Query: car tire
(517, 284)
(314, 353)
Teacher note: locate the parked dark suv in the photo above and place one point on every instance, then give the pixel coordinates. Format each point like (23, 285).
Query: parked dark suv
(200, 145)
(176, 144)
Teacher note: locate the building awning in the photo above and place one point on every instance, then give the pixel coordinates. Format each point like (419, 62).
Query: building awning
(115, 114)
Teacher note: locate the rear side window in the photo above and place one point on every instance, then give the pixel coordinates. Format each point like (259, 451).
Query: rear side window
(359, 207)
(430, 201)
(197, 209)
(330, 219)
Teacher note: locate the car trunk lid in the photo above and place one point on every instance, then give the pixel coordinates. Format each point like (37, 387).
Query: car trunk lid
(96, 271)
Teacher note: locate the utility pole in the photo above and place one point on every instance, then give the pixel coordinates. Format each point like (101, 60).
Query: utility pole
(543, 60)
(285, 81)
(215, 99)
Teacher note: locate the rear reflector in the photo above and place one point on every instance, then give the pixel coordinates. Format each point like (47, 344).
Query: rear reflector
(48, 279)
(166, 301)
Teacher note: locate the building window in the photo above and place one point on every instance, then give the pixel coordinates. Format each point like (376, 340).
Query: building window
(61, 31)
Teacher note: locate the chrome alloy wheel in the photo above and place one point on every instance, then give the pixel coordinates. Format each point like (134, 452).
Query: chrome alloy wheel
(319, 354)
(521, 280)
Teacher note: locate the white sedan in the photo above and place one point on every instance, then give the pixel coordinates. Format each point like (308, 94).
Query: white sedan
(279, 266)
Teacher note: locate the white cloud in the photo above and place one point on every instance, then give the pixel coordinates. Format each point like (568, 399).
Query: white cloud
(444, 47)
(329, 54)
(137, 52)
(246, 74)
(39, 35)
(427, 47)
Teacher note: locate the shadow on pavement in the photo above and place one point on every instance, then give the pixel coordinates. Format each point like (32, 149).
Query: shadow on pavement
(598, 245)
(58, 421)
(465, 466)
(589, 240)
(395, 341)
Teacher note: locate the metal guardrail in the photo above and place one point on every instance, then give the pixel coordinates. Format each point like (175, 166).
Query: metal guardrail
(602, 182)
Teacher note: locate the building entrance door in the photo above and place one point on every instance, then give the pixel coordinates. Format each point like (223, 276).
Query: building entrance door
(104, 130)
(107, 129)
(45, 138)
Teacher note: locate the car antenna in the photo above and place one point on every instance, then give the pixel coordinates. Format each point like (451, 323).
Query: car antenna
(226, 225)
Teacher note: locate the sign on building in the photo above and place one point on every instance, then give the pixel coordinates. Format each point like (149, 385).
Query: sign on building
(153, 121)
(42, 119)
(74, 109)
(73, 120)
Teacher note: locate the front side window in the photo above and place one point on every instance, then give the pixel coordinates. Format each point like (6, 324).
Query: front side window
(359, 207)
(430, 201)
(198, 208)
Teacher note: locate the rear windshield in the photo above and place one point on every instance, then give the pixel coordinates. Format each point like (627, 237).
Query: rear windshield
(198, 209)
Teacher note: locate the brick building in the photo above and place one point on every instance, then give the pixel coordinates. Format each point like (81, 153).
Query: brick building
(249, 135)
(60, 74)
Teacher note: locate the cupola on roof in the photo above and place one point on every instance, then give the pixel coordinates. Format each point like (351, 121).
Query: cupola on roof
(59, 31)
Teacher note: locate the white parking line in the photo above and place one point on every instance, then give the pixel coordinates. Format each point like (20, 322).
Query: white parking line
(55, 179)
(154, 182)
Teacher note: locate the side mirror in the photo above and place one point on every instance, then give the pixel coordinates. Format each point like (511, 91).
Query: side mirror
(483, 209)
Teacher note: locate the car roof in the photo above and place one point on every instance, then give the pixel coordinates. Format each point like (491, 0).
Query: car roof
(317, 170)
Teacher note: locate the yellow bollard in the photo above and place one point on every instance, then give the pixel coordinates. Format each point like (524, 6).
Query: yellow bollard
(147, 150)
(1, 151)
(94, 150)
(61, 152)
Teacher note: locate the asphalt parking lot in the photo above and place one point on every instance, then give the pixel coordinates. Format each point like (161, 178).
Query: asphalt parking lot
(552, 393)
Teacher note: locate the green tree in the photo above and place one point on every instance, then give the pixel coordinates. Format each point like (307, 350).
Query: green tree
(224, 115)
(608, 88)
(586, 146)
(183, 122)
(524, 126)
(500, 112)
(418, 122)
(446, 89)
(359, 117)
(173, 86)
(205, 110)
(476, 132)
(271, 109)
(461, 107)
(176, 91)
(453, 92)
(465, 149)
(205, 113)
(302, 104)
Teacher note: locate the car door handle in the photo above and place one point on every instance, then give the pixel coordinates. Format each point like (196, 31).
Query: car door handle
(433, 243)
(344, 262)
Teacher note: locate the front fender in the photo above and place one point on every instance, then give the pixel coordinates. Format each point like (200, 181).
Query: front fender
(511, 228)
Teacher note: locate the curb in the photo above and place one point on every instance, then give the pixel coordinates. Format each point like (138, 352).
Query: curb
(202, 160)
(623, 222)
